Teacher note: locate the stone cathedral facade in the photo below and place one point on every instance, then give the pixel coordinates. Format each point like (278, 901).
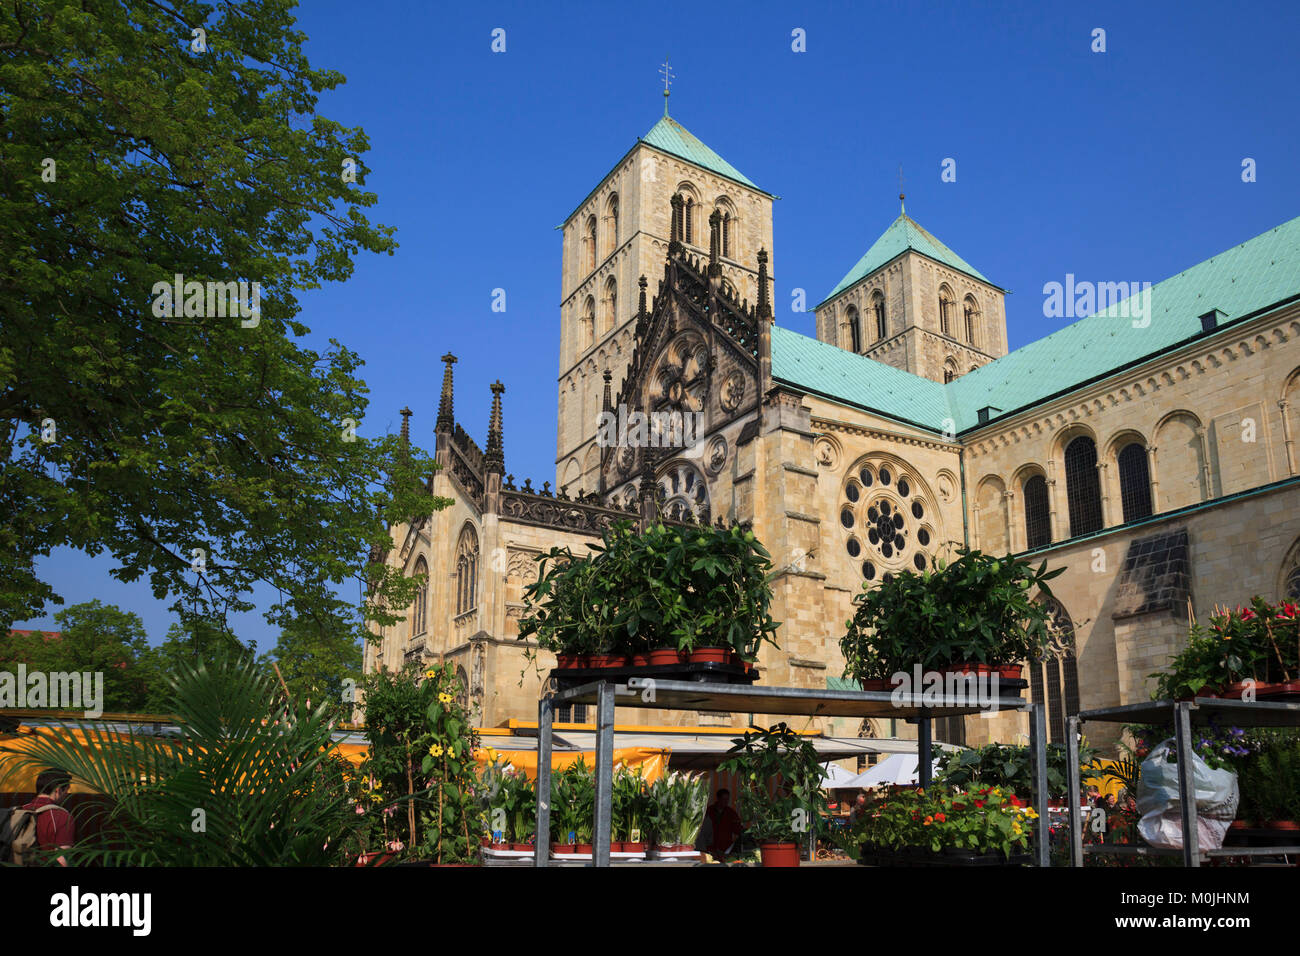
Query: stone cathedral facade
(1149, 448)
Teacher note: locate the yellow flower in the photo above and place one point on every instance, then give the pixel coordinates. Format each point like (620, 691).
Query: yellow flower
(435, 751)
(444, 698)
(430, 672)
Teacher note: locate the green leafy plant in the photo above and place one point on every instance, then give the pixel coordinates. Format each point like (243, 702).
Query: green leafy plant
(1010, 767)
(669, 586)
(984, 820)
(630, 805)
(1260, 642)
(678, 803)
(978, 609)
(780, 784)
(251, 779)
(1270, 778)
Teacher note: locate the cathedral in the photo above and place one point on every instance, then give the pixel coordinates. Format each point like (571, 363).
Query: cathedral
(1148, 448)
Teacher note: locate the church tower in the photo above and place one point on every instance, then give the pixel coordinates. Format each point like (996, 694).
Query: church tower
(913, 303)
(616, 235)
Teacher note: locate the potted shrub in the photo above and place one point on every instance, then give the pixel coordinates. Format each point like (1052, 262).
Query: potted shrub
(976, 610)
(1254, 647)
(658, 596)
(779, 818)
(677, 804)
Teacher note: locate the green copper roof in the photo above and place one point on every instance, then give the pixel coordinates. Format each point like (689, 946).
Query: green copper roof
(1249, 277)
(837, 373)
(904, 234)
(672, 137)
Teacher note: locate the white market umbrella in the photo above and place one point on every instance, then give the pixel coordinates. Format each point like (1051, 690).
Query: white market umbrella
(836, 777)
(894, 769)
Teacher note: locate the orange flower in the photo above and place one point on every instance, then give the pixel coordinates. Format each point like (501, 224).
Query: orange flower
(940, 817)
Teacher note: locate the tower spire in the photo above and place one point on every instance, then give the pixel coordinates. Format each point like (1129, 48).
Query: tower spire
(406, 431)
(446, 417)
(764, 308)
(494, 458)
(902, 208)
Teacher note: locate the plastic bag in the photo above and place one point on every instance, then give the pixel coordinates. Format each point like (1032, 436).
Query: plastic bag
(1216, 797)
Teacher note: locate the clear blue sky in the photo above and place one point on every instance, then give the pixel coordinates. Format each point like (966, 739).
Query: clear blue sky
(1122, 165)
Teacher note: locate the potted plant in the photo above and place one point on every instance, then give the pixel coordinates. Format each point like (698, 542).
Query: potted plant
(656, 596)
(677, 804)
(629, 807)
(1270, 781)
(780, 778)
(977, 612)
(987, 825)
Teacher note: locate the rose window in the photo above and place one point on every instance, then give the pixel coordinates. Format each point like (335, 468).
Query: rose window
(888, 521)
(681, 380)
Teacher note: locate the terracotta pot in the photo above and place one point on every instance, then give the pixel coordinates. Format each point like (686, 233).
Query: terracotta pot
(615, 847)
(606, 660)
(780, 854)
(640, 660)
(1008, 671)
(709, 655)
(1282, 825)
(582, 848)
(681, 848)
(522, 847)
(666, 655)
(970, 667)
(1241, 825)
(566, 661)
(634, 847)
(560, 849)
(500, 846)
(877, 684)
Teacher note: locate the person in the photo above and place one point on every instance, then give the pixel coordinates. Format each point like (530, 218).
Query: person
(859, 807)
(725, 823)
(55, 828)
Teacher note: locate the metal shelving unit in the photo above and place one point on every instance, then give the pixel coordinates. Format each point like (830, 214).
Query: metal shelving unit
(1183, 714)
(649, 693)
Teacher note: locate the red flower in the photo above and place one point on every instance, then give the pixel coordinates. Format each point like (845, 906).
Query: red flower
(1015, 801)
(1247, 614)
(979, 803)
(1288, 610)
(940, 817)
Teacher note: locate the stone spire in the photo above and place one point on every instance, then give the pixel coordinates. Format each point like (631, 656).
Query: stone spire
(764, 308)
(675, 234)
(608, 404)
(641, 283)
(406, 431)
(494, 459)
(446, 417)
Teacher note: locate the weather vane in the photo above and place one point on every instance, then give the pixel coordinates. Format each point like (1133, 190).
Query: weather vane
(901, 207)
(667, 73)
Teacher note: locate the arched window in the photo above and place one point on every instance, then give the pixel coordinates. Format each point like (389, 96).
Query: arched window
(945, 310)
(1054, 677)
(610, 318)
(947, 376)
(420, 612)
(1134, 482)
(971, 313)
(588, 323)
(591, 243)
(878, 307)
(855, 329)
(467, 571)
(1082, 486)
(688, 219)
(462, 687)
(1038, 522)
(1291, 575)
(726, 234)
(613, 222)
(949, 371)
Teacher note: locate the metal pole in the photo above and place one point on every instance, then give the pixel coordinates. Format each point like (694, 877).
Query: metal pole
(545, 713)
(1075, 785)
(923, 748)
(1038, 751)
(1187, 783)
(604, 772)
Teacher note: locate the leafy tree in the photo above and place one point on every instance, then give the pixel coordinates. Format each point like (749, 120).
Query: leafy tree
(315, 663)
(188, 644)
(149, 139)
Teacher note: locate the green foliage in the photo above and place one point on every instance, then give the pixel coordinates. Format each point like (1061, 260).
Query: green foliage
(780, 784)
(979, 609)
(94, 638)
(665, 587)
(421, 762)
(1010, 767)
(985, 820)
(1260, 642)
(1270, 778)
(188, 643)
(127, 429)
(630, 805)
(315, 661)
(250, 780)
(678, 803)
